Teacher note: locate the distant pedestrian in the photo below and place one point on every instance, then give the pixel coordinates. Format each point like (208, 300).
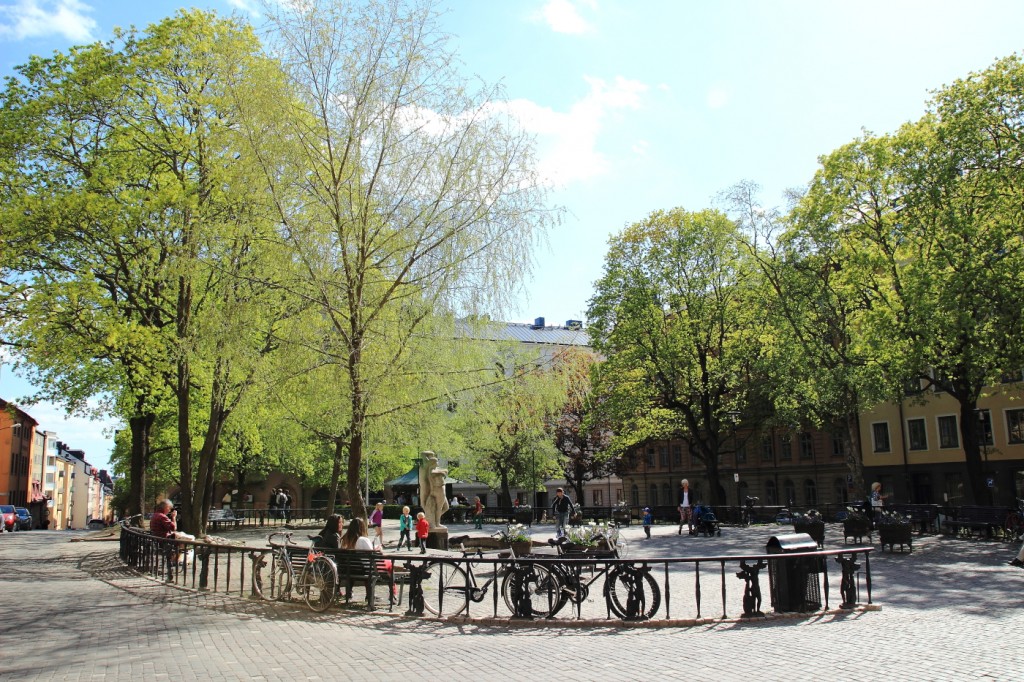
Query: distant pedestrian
(377, 522)
(422, 531)
(561, 507)
(648, 520)
(272, 504)
(685, 507)
(405, 527)
(478, 513)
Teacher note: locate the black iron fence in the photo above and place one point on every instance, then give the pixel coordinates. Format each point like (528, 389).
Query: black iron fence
(544, 586)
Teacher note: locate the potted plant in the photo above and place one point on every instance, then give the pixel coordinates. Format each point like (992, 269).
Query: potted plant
(516, 536)
(856, 525)
(523, 514)
(812, 524)
(589, 538)
(894, 529)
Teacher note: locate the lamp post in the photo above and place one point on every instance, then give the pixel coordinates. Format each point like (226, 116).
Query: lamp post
(733, 416)
(983, 438)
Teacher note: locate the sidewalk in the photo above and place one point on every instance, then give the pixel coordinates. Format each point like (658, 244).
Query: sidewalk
(950, 611)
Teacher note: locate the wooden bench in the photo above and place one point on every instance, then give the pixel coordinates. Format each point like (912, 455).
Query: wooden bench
(925, 515)
(222, 517)
(361, 566)
(971, 519)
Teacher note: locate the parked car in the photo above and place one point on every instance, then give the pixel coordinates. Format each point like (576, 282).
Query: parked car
(96, 524)
(24, 518)
(8, 518)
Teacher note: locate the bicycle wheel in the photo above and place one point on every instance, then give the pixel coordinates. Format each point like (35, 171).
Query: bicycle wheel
(1014, 525)
(278, 584)
(632, 593)
(319, 583)
(542, 587)
(445, 591)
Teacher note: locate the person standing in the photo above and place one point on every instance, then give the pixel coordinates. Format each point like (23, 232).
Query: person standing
(272, 504)
(377, 521)
(478, 513)
(685, 506)
(648, 520)
(561, 507)
(405, 526)
(422, 531)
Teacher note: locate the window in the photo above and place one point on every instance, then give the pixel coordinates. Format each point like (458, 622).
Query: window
(811, 493)
(769, 493)
(598, 496)
(677, 455)
(912, 386)
(1015, 426)
(652, 500)
(741, 454)
(49, 479)
(806, 446)
(650, 458)
(838, 446)
(636, 496)
(789, 490)
(880, 434)
(618, 495)
(985, 417)
(663, 456)
(948, 436)
(767, 451)
(666, 493)
(786, 447)
(839, 490)
(916, 434)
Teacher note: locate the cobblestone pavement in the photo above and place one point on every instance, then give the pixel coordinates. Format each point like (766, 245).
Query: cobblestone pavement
(949, 611)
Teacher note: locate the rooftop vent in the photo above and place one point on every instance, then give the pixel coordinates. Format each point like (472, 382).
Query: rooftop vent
(574, 325)
(538, 323)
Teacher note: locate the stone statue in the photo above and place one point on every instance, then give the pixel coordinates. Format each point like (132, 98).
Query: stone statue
(432, 494)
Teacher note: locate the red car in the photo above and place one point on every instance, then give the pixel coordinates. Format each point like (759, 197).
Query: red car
(9, 518)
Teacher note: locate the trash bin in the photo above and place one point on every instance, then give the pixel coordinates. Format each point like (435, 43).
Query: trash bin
(794, 582)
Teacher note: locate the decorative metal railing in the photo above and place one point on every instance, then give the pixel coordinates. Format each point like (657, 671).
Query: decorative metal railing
(544, 586)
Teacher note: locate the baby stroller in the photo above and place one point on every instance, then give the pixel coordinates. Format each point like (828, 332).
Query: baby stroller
(705, 521)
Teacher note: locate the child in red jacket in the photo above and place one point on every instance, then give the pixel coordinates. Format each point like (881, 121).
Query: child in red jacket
(422, 530)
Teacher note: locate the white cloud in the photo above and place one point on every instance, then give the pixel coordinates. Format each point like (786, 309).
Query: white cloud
(568, 141)
(718, 97)
(563, 16)
(35, 18)
(247, 6)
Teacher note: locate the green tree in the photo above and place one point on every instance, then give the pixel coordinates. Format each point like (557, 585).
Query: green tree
(677, 317)
(407, 199)
(581, 437)
(928, 218)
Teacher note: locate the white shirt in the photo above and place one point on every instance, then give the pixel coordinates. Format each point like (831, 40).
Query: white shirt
(364, 542)
(686, 499)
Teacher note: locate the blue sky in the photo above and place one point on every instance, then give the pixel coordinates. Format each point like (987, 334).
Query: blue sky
(638, 105)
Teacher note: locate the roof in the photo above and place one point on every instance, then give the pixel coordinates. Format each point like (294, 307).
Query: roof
(531, 333)
(412, 479)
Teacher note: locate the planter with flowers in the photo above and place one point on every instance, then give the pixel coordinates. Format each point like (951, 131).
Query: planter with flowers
(894, 529)
(516, 537)
(812, 524)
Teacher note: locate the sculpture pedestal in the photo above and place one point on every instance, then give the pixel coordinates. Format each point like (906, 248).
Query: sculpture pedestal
(437, 538)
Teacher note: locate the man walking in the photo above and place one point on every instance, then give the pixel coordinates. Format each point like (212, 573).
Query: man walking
(561, 507)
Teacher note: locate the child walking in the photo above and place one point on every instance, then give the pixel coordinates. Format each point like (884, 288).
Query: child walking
(648, 520)
(404, 528)
(422, 530)
(377, 521)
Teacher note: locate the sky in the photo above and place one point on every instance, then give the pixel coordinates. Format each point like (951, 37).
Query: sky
(637, 105)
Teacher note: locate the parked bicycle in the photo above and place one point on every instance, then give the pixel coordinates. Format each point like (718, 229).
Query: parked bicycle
(450, 587)
(630, 591)
(313, 576)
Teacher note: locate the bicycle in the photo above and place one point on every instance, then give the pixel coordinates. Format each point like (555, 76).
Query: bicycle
(449, 588)
(629, 590)
(1014, 524)
(316, 582)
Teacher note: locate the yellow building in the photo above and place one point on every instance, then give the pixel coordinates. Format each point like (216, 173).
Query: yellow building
(915, 448)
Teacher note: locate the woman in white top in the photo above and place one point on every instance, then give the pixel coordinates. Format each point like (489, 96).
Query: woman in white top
(355, 536)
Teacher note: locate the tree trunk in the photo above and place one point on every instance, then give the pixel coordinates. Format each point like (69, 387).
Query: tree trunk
(332, 496)
(970, 432)
(141, 427)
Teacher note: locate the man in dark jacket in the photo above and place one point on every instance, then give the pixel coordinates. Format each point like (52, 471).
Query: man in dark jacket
(561, 507)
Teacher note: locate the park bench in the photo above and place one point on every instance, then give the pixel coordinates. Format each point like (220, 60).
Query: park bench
(355, 566)
(924, 515)
(224, 517)
(970, 520)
